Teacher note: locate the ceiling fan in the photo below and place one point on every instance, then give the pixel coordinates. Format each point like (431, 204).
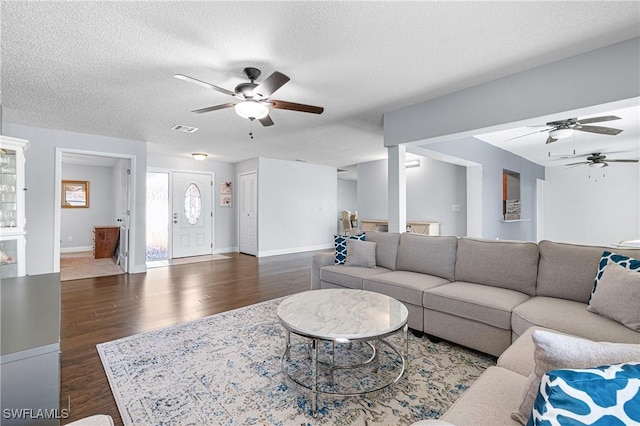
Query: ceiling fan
(254, 98)
(564, 128)
(599, 160)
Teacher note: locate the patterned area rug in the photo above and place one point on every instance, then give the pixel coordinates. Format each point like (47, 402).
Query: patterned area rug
(226, 369)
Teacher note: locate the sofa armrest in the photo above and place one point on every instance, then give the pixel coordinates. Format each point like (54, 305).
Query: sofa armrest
(318, 261)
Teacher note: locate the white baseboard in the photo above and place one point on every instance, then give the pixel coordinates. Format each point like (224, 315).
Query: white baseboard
(75, 249)
(138, 269)
(225, 250)
(294, 250)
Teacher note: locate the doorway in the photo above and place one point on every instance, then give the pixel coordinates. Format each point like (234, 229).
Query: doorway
(93, 239)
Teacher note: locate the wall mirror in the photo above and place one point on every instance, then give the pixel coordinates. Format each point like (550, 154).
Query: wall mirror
(511, 209)
(75, 194)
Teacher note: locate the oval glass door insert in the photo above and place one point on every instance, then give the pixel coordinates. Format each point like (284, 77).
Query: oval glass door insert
(192, 203)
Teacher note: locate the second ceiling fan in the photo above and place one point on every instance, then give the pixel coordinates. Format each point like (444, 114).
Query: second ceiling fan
(254, 98)
(564, 128)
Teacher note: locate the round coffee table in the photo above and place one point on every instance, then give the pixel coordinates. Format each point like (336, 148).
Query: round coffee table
(347, 317)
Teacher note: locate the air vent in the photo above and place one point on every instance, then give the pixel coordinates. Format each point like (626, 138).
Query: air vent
(185, 129)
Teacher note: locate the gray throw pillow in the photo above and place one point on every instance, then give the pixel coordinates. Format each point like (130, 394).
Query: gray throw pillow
(361, 253)
(617, 296)
(555, 351)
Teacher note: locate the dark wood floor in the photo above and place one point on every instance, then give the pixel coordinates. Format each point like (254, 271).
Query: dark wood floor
(97, 310)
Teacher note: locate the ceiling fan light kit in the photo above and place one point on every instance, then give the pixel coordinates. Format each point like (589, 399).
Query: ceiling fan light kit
(251, 110)
(561, 133)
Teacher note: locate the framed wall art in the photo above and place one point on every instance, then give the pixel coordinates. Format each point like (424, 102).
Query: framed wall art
(75, 194)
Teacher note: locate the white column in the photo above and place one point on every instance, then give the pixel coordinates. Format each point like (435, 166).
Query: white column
(397, 188)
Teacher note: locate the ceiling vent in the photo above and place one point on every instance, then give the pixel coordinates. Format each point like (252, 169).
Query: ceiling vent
(185, 129)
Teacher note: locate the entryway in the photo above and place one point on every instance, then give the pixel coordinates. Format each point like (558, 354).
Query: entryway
(179, 215)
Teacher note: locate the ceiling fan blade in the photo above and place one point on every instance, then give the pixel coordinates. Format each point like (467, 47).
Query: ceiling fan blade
(527, 134)
(204, 84)
(598, 119)
(550, 140)
(270, 85)
(266, 121)
(623, 161)
(599, 129)
(213, 108)
(578, 163)
(296, 107)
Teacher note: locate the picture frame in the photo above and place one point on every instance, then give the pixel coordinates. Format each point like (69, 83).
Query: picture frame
(75, 194)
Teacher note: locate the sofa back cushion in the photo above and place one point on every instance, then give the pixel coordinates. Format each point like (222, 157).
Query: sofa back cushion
(428, 255)
(386, 247)
(505, 264)
(567, 271)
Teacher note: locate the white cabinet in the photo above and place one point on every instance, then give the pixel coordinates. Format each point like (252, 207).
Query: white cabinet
(12, 207)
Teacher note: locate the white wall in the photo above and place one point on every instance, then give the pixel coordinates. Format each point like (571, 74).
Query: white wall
(347, 195)
(597, 210)
(224, 234)
(431, 190)
(41, 202)
(297, 204)
(78, 223)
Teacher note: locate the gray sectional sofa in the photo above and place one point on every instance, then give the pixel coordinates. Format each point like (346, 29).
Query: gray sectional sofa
(482, 294)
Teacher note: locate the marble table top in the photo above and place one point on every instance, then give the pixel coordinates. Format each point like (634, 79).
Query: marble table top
(334, 314)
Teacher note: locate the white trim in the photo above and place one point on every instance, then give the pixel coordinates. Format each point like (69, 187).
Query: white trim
(30, 353)
(226, 250)
(75, 249)
(57, 210)
(293, 250)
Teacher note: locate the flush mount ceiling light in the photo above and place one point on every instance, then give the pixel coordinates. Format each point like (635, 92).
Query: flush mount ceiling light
(200, 156)
(251, 109)
(561, 133)
(412, 163)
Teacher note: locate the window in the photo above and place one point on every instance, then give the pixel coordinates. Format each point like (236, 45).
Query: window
(192, 204)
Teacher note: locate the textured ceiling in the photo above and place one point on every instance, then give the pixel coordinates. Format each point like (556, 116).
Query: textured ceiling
(107, 67)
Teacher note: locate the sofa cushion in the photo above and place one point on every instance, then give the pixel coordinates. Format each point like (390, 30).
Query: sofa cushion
(489, 305)
(361, 253)
(554, 351)
(618, 296)
(489, 401)
(567, 271)
(403, 285)
(505, 264)
(350, 276)
(569, 317)
(428, 255)
(608, 394)
(386, 248)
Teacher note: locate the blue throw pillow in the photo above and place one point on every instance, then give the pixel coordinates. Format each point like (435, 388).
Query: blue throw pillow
(607, 395)
(340, 242)
(609, 257)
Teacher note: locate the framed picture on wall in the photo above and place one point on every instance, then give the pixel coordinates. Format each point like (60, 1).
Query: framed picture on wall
(75, 194)
(225, 200)
(225, 187)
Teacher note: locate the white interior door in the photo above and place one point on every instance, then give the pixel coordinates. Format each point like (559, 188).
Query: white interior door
(192, 215)
(248, 232)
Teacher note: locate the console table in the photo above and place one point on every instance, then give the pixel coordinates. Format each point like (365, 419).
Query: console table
(427, 228)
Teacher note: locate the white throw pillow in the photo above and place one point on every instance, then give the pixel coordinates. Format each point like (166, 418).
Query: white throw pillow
(554, 351)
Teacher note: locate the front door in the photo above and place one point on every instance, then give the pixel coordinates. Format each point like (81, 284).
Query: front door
(192, 215)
